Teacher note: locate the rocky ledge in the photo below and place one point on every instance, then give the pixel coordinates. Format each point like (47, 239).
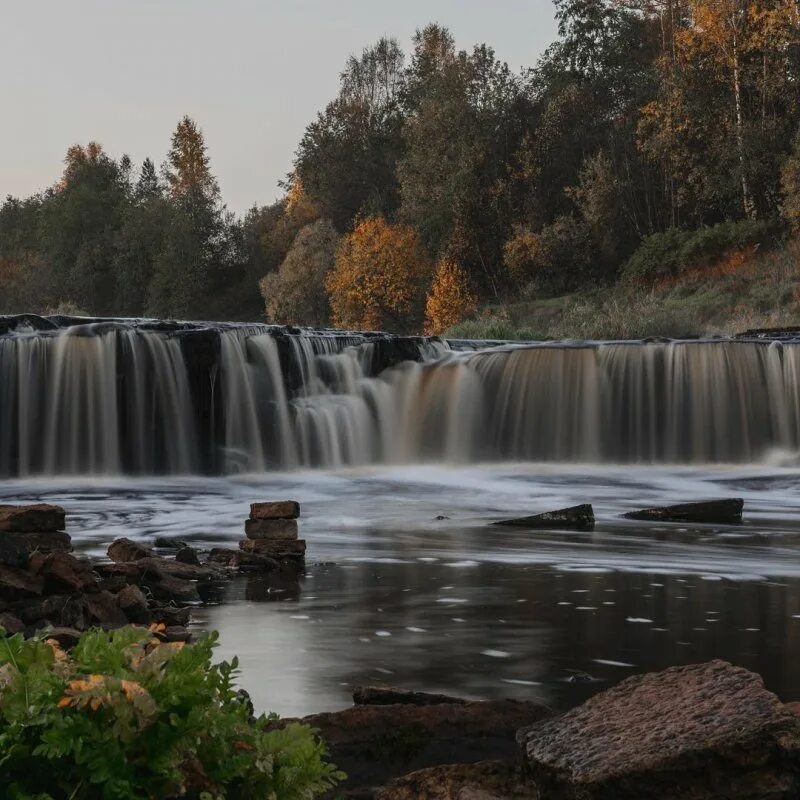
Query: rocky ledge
(699, 732)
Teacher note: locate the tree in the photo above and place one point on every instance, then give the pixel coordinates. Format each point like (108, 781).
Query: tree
(379, 278)
(790, 187)
(187, 169)
(450, 300)
(295, 294)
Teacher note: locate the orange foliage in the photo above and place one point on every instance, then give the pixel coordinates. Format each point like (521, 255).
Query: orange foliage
(450, 299)
(379, 278)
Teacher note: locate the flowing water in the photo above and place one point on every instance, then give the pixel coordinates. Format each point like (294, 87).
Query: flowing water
(143, 430)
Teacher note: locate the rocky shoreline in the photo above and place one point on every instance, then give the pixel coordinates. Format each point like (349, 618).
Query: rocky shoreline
(693, 732)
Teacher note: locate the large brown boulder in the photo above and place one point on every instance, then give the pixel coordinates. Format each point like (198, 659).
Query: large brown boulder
(37, 517)
(374, 744)
(15, 548)
(486, 780)
(701, 732)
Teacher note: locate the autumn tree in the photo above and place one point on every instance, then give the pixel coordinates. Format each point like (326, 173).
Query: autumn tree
(790, 187)
(187, 170)
(450, 300)
(295, 294)
(379, 278)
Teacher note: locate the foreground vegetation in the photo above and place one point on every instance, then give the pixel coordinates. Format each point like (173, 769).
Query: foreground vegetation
(124, 717)
(652, 134)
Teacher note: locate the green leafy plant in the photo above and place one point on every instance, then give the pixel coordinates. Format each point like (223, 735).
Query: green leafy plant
(125, 717)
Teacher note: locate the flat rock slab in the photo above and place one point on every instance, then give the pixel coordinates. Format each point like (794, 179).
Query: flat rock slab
(270, 528)
(577, 517)
(375, 744)
(718, 512)
(486, 780)
(380, 696)
(688, 733)
(280, 509)
(37, 517)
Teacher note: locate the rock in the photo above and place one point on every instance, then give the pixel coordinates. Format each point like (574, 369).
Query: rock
(278, 549)
(188, 555)
(16, 547)
(37, 517)
(133, 604)
(102, 609)
(167, 543)
(374, 744)
(171, 615)
(124, 550)
(577, 517)
(67, 638)
(281, 509)
(11, 624)
(270, 528)
(17, 584)
(719, 512)
(64, 573)
(486, 780)
(701, 732)
(238, 559)
(56, 611)
(173, 633)
(379, 696)
(441, 517)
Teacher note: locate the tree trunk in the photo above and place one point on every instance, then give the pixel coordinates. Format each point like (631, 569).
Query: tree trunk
(747, 200)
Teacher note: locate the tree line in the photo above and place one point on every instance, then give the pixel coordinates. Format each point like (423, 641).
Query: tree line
(439, 181)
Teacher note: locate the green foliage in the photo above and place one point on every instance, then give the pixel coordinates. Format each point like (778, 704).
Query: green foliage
(491, 330)
(123, 717)
(674, 251)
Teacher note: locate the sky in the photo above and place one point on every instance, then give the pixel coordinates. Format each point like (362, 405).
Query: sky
(252, 73)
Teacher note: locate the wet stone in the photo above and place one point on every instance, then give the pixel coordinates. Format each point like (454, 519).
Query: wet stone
(42, 517)
(281, 509)
(270, 528)
(718, 512)
(703, 732)
(125, 550)
(576, 517)
(380, 696)
(278, 549)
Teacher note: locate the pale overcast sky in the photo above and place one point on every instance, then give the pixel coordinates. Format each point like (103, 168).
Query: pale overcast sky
(252, 73)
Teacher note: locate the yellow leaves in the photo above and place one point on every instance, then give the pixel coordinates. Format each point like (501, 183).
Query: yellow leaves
(379, 277)
(102, 691)
(450, 300)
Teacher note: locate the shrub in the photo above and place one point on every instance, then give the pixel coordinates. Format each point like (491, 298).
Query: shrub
(450, 300)
(124, 717)
(674, 251)
(492, 330)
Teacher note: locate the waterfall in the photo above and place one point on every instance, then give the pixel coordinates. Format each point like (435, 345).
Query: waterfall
(142, 397)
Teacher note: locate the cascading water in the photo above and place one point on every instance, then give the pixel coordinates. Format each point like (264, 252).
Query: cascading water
(137, 397)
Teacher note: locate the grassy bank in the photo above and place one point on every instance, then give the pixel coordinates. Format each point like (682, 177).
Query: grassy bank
(752, 287)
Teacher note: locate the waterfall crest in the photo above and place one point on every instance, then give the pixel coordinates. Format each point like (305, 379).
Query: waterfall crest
(138, 397)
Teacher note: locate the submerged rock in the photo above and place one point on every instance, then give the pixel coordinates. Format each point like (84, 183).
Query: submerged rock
(701, 732)
(379, 696)
(375, 743)
(720, 512)
(577, 517)
(486, 780)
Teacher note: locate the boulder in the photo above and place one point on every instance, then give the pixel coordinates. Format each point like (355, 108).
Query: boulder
(271, 528)
(11, 624)
(168, 543)
(577, 518)
(133, 604)
(486, 780)
(17, 584)
(280, 509)
(188, 555)
(63, 573)
(124, 550)
(102, 609)
(374, 744)
(278, 549)
(379, 696)
(15, 547)
(716, 512)
(67, 638)
(55, 611)
(690, 733)
(38, 517)
(170, 615)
